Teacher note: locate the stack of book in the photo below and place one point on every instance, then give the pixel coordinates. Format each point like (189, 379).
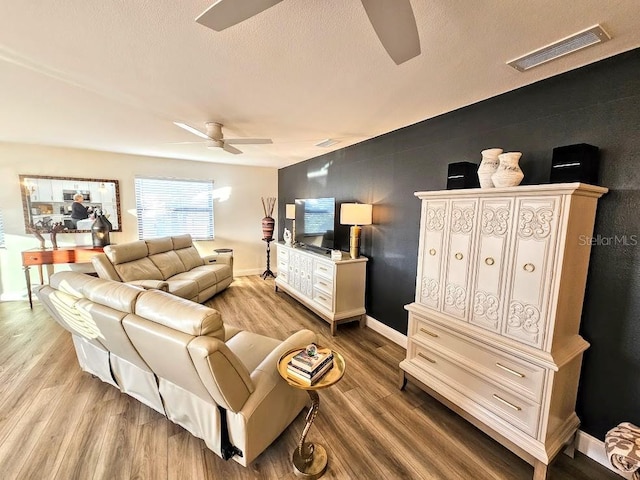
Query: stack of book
(308, 369)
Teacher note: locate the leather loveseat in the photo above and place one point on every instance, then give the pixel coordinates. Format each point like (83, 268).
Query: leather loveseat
(179, 358)
(171, 264)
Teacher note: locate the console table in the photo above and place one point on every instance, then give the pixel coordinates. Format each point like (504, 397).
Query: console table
(51, 256)
(333, 289)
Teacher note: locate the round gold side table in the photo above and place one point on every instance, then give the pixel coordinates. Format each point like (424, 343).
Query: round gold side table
(310, 460)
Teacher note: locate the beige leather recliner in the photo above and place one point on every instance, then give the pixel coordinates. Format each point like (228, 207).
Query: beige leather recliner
(179, 358)
(171, 264)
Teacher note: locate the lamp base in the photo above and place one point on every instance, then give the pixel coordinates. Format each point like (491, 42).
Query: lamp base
(293, 233)
(354, 241)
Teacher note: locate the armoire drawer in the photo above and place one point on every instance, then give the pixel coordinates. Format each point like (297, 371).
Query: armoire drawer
(510, 407)
(510, 371)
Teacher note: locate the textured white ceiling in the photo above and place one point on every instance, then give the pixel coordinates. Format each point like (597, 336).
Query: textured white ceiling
(113, 76)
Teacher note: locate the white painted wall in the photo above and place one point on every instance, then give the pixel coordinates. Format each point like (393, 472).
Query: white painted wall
(237, 220)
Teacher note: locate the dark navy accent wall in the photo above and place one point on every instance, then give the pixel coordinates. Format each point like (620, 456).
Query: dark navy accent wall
(598, 104)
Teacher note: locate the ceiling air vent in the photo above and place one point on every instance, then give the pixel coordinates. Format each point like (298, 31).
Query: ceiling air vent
(567, 45)
(327, 143)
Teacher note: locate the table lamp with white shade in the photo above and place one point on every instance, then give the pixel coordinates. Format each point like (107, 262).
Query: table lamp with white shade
(355, 214)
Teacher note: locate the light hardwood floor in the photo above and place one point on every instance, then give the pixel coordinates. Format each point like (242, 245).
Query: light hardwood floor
(57, 422)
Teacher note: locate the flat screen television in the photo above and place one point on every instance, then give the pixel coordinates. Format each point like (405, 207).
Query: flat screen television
(315, 223)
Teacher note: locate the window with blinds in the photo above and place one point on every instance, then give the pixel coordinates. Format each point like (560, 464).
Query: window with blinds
(173, 207)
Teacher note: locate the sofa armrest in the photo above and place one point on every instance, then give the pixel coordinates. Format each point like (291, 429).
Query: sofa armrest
(151, 284)
(225, 258)
(221, 372)
(266, 378)
(268, 368)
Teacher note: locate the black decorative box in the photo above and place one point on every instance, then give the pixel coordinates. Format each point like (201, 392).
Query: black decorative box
(575, 163)
(462, 175)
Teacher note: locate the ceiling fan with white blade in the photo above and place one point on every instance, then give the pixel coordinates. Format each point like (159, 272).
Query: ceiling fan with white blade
(392, 20)
(215, 138)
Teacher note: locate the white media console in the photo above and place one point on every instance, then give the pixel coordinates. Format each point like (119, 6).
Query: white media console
(333, 289)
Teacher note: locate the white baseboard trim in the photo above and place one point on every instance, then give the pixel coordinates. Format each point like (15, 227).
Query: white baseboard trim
(248, 271)
(15, 296)
(594, 449)
(387, 332)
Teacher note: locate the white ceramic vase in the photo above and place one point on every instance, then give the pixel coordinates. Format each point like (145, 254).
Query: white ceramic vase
(488, 166)
(508, 173)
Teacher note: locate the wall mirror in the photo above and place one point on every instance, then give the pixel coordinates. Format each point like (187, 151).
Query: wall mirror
(49, 200)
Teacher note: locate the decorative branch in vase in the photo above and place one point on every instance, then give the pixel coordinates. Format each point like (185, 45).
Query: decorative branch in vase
(37, 232)
(55, 229)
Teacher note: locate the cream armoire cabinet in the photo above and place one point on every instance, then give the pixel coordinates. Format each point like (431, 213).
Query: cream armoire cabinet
(493, 331)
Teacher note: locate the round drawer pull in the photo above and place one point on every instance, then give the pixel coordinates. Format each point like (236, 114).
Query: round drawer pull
(432, 251)
(489, 261)
(459, 256)
(529, 267)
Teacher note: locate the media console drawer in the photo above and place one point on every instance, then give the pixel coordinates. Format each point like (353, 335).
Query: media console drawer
(323, 269)
(323, 298)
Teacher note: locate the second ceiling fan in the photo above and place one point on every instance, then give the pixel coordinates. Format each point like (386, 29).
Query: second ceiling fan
(392, 20)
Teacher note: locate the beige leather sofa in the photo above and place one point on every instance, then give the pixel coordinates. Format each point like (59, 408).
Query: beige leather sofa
(171, 264)
(179, 358)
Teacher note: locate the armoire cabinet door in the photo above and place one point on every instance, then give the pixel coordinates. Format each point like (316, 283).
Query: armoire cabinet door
(457, 261)
(494, 232)
(531, 270)
(434, 215)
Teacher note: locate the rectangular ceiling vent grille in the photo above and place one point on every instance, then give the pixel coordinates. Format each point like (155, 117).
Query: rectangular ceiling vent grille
(327, 143)
(573, 43)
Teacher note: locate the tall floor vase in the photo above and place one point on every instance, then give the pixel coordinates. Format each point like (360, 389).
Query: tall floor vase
(268, 225)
